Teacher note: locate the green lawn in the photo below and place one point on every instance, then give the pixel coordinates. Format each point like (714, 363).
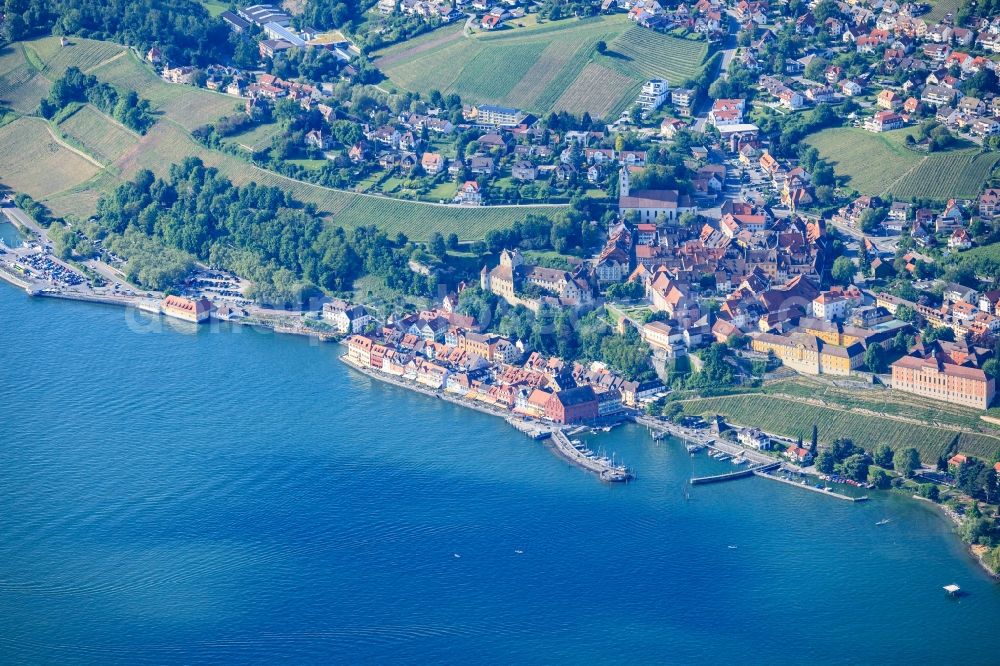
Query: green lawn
(547, 66)
(215, 7)
(445, 191)
(256, 138)
(880, 164)
(308, 164)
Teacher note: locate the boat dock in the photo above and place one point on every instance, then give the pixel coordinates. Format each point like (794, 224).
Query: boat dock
(806, 486)
(738, 474)
(532, 429)
(605, 469)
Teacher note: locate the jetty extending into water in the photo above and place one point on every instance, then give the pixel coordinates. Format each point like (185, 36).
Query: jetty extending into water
(738, 474)
(764, 464)
(577, 454)
(806, 486)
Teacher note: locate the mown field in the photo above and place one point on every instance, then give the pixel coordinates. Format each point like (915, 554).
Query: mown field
(35, 163)
(794, 418)
(880, 164)
(551, 66)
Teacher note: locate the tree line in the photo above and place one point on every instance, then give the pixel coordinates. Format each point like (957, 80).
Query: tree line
(182, 29)
(76, 87)
(286, 249)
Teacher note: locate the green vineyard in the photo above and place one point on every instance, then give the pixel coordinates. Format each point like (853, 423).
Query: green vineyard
(795, 419)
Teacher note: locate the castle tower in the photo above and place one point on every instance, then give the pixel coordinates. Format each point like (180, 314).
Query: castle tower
(511, 258)
(484, 279)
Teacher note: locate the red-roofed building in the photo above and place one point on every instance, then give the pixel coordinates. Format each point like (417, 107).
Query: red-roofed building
(933, 378)
(187, 309)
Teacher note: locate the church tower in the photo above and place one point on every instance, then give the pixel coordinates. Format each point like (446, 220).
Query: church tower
(623, 182)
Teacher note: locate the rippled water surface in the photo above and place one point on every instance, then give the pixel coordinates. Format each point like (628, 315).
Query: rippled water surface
(172, 494)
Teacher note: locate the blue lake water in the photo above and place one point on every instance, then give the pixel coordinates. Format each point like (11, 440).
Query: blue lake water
(9, 234)
(217, 494)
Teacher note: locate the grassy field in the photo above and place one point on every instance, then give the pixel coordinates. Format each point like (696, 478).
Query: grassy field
(215, 7)
(880, 164)
(187, 106)
(257, 138)
(545, 66)
(794, 418)
(35, 163)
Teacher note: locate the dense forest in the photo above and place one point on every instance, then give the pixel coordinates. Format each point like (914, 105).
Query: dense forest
(286, 249)
(75, 86)
(182, 29)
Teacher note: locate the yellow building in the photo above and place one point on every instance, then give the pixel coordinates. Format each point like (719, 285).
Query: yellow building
(810, 354)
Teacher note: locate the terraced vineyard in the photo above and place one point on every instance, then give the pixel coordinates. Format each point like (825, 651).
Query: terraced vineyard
(84, 54)
(544, 67)
(598, 90)
(34, 162)
(880, 164)
(792, 418)
(100, 136)
(958, 174)
(21, 87)
(648, 55)
(421, 220)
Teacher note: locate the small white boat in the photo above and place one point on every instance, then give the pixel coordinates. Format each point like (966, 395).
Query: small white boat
(457, 556)
(884, 521)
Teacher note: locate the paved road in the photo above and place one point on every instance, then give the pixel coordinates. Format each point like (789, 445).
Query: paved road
(19, 217)
(728, 51)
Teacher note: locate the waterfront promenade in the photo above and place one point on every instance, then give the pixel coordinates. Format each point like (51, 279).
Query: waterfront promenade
(604, 469)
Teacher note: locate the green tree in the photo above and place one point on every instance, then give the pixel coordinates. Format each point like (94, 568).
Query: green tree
(843, 271)
(855, 467)
(437, 245)
(879, 478)
(883, 456)
(826, 462)
(929, 491)
(875, 359)
(906, 461)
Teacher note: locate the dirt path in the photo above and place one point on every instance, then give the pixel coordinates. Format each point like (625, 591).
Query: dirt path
(58, 139)
(106, 62)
